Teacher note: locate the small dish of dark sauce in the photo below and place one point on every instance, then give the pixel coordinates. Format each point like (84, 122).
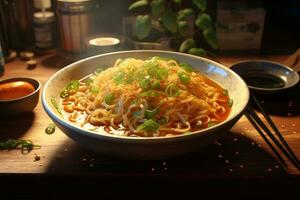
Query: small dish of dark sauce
(266, 76)
(263, 80)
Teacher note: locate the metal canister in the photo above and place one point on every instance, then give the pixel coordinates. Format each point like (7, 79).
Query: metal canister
(76, 18)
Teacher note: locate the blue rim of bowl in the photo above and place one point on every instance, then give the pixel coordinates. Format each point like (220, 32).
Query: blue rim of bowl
(13, 79)
(259, 89)
(143, 139)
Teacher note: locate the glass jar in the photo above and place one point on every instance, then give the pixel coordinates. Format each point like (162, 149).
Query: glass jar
(44, 30)
(76, 23)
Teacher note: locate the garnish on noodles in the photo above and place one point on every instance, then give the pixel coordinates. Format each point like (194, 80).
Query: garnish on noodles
(152, 97)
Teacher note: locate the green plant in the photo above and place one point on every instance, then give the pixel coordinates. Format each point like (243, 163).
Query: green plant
(170, 18)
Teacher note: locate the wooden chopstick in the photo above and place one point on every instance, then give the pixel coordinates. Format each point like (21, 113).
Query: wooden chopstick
(249, 117)
(250, 111)
(269, 120)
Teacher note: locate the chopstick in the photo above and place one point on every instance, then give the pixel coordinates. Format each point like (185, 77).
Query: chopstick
(258, 125)
(269, 120)
(265, 138)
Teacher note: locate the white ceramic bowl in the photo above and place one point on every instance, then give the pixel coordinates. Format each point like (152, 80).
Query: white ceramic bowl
(150, 147)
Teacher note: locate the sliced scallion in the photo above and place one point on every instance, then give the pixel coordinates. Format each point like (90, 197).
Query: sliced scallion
(149, 125)
(109, 98)
(184, 77)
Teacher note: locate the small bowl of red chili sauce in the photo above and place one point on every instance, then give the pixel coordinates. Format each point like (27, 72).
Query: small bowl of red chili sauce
(18, 95)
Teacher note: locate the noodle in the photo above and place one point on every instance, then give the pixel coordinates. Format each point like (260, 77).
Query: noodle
(153, 97)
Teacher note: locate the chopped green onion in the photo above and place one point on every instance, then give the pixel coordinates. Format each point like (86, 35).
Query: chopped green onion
(210, 124)
(50, 129)
(225, 92)
(73, 86)
(186, 67)
(64, 94)
(94, 89)
(88, 82)
(149, 114)
(119, 77)
(149, 125)
(184, 77)
(155, 71)
(25, 145)
(230, 102)
(109, 98)
(172, 90)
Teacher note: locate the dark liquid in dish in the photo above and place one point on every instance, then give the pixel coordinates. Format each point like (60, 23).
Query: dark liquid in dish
(263, 80)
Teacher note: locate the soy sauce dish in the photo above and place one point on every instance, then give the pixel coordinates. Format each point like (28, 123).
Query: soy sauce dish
(18, 95)
(266, 76)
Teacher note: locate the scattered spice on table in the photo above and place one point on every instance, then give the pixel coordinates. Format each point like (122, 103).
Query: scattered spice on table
(36, 158)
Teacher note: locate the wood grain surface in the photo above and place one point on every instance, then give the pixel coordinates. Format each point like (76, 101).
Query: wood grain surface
(240, 153)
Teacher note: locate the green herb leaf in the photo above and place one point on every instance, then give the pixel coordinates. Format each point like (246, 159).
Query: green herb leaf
(50, 129)
(186, 45)
(109, 98)
(172, 90)
(149, 125)
(137, 4)
(150, 114)
(157, 7)
(185, 13)
(184, 77)
(201, 4)
(183, 27)
(204, 22)
(143, 26)
(177, 1)
(169, 20)
(197, 51)
(25, 145)
(211, 38)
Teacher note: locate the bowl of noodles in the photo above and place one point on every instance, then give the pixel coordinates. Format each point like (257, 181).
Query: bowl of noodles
(145, 104)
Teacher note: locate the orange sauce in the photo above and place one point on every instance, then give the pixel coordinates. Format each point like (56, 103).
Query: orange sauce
(15, 90)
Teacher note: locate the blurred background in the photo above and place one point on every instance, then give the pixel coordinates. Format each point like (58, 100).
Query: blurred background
(44, 26)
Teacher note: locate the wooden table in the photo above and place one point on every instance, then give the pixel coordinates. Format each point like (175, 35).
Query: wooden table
(240, 154)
